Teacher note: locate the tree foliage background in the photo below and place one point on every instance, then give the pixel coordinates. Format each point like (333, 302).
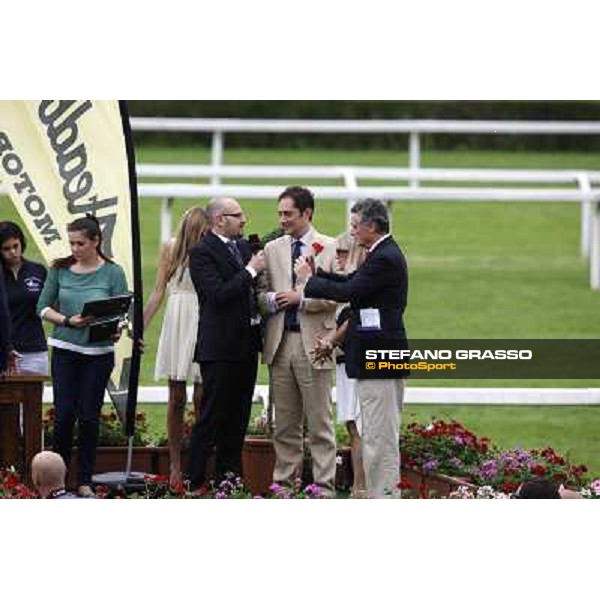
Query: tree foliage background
(587, 110)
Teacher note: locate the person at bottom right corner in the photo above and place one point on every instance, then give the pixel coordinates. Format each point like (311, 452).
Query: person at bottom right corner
(542, 489)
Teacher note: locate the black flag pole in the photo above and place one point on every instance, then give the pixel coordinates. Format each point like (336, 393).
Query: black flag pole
(131, 369)
(138, 320)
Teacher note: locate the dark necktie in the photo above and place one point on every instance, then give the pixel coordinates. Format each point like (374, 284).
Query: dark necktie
(236, 252)
(291, 314)
(240, 261)
(296, 254)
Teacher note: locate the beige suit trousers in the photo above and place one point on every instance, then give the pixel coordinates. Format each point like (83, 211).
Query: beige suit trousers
(298, 390)
(380, 404)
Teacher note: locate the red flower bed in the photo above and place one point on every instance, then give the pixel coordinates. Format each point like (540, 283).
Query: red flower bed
(451, 449)
(12, 488)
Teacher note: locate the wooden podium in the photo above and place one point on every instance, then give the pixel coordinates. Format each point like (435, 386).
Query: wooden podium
(24, 389)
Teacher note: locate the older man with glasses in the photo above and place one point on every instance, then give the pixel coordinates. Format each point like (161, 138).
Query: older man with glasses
(377, 293)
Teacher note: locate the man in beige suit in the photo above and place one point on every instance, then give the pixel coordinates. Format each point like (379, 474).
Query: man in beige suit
(299, 385)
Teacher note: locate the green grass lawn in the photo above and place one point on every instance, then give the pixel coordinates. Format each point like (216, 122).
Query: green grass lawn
(570, 430)
(477, 270)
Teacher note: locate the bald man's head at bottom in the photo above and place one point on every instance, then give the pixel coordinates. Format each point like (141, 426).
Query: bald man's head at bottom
(48, 472)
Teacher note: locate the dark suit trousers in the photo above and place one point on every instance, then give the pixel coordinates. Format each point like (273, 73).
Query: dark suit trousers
(224, 416)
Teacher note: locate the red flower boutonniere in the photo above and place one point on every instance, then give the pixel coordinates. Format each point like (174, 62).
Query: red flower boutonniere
(317, 248)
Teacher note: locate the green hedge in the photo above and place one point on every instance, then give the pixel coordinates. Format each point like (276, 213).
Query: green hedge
(302, 109)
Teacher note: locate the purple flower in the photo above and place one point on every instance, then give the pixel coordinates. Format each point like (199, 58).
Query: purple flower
(489, 469)
(456, 462)
(509, 460)
(459, 440)
(430, 465)
(220, 496)
(313, 490)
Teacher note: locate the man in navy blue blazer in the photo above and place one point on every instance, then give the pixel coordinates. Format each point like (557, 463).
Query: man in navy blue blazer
(377, 293)
(4, 325)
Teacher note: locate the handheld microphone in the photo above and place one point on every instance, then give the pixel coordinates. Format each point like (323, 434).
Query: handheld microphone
(255, 244)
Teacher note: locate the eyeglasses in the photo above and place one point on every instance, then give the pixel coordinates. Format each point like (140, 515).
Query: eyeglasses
(239, 215)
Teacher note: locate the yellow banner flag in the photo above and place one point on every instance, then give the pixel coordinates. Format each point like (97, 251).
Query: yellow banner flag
(61, 159)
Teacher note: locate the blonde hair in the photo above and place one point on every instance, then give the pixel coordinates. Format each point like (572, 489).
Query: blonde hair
(191, 229)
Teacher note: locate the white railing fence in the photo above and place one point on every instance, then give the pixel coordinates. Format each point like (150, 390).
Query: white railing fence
(414, 175)
(413, 127)
(421, 395)
(354, 182)
(360, 182)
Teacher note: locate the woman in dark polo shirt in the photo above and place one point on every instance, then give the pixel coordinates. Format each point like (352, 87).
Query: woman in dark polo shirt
(4, 326)
(24, 280)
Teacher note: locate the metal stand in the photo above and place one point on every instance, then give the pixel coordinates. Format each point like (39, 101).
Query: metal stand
(123, 480)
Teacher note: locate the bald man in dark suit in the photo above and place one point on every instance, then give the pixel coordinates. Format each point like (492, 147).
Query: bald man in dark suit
(224, 271)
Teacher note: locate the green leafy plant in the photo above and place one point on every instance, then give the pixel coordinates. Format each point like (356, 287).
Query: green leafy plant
(111, 430)
(259, 425)
(189, 420)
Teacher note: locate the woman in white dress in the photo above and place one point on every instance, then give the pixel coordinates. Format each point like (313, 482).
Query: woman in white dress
(178, 337)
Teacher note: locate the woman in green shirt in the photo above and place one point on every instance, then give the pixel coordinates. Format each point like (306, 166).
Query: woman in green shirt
(80, 368)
